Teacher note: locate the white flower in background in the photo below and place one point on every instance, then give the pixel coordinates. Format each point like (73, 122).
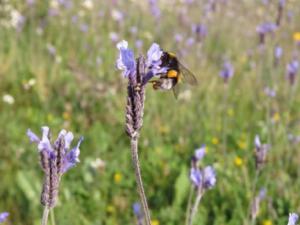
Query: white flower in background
(8, 99)
(88, 4)
(29, 84)
(117, 15)
(98, 164)
(16, 18)
(54, 4)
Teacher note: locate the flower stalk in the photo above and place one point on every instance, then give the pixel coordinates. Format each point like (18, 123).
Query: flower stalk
(134, 122)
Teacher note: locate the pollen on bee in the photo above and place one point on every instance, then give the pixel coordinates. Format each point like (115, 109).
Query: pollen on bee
(172, 73)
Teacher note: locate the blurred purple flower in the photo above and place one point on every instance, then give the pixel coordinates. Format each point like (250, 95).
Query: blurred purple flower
(256, 203)
(138, 44)
(295, 139)
(292, 70)
(270, 92)
(133, 30)
(278, 52)
(51, 49)
(137, 210)
(227, 71)
(200, 152)
(154, 8)
(190, 41)
(293, 218)
(262, 193)
(267, 27)
(263, 29)
(265, 2)
(117, 15)
(178, 37)
(281, 3)
(69, 157)
(3, 216)
(209, 177)
(52, 12)
(84, 28)
(126, 60)
(113, 36)
(196, 177)
(261, 151)
(74, 19)
(67, 4)
(30, 2)
(200, 30)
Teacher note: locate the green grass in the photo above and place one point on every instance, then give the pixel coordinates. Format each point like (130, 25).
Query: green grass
(73, 92)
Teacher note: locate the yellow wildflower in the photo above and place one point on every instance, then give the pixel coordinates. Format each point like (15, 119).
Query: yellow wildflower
(238, 161)
(230, 112)
(276, 117)
(110, 209)
(50, 117)
(296, 36)
(154, 222)
(215, 140)
(66, 115)
(267, 222)
(164, 129)
(242, 144)
(117, 177)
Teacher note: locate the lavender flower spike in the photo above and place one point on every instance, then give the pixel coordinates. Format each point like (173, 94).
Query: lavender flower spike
(293, 218)
(56, 159)
(227, 71)
(126, 60)
(261, 151)
(292, 70)
(3, 216)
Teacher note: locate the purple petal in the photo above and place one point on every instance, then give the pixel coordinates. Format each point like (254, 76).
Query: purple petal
(72, 157)
(126, 60)
(209, 177)
(257, 142)
(196, 177)
(3, 216)
(154, 53)
(200, 152)
(45, 144)
(293, 218)
(32, 136)
(68, 139)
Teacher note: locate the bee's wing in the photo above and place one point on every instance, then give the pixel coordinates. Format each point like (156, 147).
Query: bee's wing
(176, 90)
(187, 76)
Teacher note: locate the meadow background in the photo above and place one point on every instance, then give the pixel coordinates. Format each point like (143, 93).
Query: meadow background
(57, 68)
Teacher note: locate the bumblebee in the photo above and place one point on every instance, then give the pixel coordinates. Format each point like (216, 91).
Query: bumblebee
(175, 74)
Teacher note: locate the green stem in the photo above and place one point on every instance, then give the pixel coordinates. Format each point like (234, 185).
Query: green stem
(251, 220)
(195, 207)
(188, 209)
(52, 217)
(45, 216)
(138, 176)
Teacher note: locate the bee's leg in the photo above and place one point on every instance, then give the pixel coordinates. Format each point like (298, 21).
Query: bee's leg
(147, 77)
(155, 84)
